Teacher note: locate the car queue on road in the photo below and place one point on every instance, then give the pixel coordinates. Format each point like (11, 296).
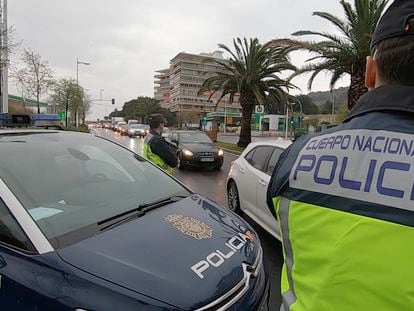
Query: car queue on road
(249, 175)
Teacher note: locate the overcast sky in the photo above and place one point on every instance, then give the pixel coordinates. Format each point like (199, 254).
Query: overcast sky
(127, 40)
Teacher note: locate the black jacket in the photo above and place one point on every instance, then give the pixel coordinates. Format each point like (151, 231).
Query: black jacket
(383, 123)
(161, 148)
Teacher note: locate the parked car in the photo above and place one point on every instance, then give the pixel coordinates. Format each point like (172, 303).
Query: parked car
(137, 130)
(87, 224)
(195, 148)
(249, 178)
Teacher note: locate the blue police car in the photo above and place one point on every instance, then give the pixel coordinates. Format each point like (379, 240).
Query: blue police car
(86, 224)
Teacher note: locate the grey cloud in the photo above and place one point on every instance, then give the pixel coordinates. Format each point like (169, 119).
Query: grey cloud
(127, 40)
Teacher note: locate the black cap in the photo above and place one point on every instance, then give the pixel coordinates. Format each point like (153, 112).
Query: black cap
(397, 21)
(155, 119)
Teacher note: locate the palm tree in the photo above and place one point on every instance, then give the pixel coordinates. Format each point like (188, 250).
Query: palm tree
(147, 106)
(252, 72)
(141, 107)
(343, 53)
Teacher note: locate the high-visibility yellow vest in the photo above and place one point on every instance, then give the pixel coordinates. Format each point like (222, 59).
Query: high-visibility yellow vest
(154, 158)
(344, 200)
(339, 261)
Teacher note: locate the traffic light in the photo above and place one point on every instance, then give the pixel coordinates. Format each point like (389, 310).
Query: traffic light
(292, 120)
(113, 101)
(204, 121)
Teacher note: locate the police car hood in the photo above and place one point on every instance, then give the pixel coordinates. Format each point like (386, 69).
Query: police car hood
(186, 254)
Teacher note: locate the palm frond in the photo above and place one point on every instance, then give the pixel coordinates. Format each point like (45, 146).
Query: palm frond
(340, 24)
(342, 53)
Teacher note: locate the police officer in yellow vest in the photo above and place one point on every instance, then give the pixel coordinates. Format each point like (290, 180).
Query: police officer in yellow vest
(344, 198)
(156, 149)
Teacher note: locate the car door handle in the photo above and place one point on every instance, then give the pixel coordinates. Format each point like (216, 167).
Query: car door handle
(262, 182)
(242, 170)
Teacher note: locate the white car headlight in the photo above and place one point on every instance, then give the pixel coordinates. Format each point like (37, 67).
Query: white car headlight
(220, 152)
(187, 152)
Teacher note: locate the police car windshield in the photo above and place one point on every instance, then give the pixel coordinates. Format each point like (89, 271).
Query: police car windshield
(69, 182)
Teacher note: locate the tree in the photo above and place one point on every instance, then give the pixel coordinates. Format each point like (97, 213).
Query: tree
(147, 106)
(86, 105)
(312, 121)
(342, 113)
(252, 71)
(129, 109)
(273, 106)
(116, 113)
(9, 45)
(140, 108)
(36, 77)
(308, 106)
(170, 116)
(67, 96)
(326, 108)
(343, 54)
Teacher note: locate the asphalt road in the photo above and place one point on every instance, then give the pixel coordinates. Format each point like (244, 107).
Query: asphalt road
(212, 184)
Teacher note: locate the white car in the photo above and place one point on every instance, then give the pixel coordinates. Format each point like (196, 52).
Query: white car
(137, 130)
(248, 179)
(165, 132)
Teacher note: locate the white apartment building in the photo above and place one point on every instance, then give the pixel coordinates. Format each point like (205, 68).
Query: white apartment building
(177, 87)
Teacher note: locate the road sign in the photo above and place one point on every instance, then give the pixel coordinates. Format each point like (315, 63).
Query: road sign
(259, 109)
(62, 116)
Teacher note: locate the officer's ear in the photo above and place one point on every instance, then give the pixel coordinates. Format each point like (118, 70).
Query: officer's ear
(371, 73)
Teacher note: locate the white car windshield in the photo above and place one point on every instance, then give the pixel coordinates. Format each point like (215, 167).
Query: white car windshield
(68, 181)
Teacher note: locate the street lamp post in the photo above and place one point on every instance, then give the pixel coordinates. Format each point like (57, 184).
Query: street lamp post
(4, 92)
(78, 62)
(301, 111)
(333, 107)
(225, 116)
(287, 120)
(287, 115)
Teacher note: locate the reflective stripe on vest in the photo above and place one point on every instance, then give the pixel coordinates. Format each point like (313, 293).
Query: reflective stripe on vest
(154, 158)
(288, 297)
(335, 260)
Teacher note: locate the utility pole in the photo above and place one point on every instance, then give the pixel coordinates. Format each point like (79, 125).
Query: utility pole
(77, 83)
(333, 107)
(4, 75)
(287, 120)
(225, 116)
(179, 115)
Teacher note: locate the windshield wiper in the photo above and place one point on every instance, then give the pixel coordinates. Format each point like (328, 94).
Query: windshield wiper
(137, 212)
(158, 203)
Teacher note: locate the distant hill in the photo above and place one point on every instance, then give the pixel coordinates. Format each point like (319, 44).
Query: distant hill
(320, 98)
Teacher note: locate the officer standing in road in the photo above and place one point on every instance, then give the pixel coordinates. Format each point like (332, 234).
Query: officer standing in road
(344, 198)
(156, 149)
